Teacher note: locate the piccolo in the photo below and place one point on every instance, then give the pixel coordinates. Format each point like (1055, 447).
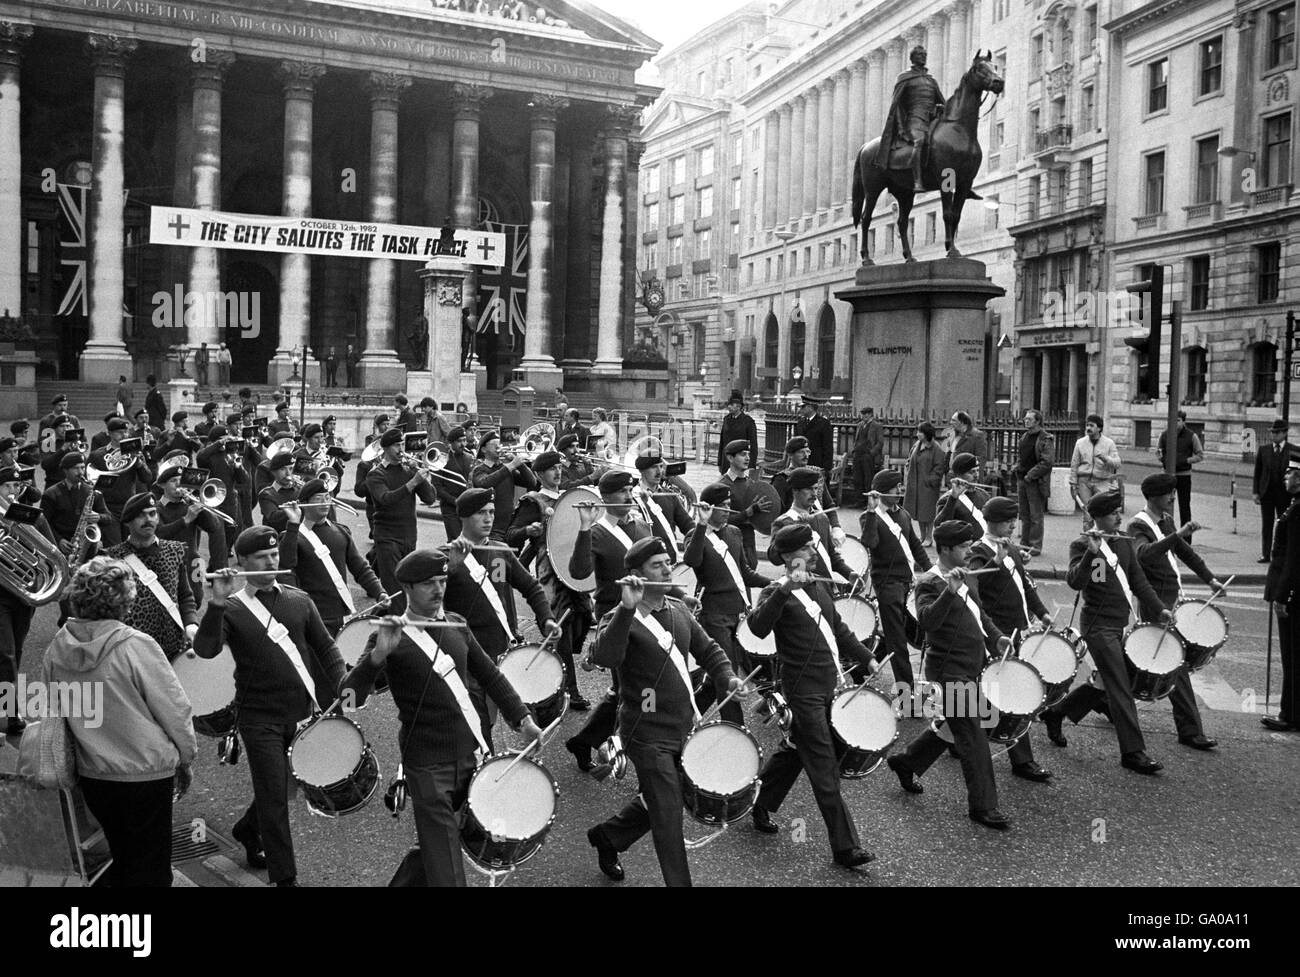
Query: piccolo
(415, 622)
(978, 485)
(599, 505)
(247, 573)
(809, 579)
(498, 547)
(634, 582)
(1095, 534)
(713, 508)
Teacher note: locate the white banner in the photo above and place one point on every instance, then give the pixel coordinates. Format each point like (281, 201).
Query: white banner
(185, 228)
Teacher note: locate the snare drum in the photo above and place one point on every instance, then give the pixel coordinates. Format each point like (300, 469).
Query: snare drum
(334, 765)
(1155, 654)
(1205, 629)
(1016, 691)
(210, 684)
(351, 641)
(1055, 654)
(855, 554)
(862, 617)
(508, 817)
(537, 675)
(863, 723)
(720, 764)
(759, 649)
(684, 577)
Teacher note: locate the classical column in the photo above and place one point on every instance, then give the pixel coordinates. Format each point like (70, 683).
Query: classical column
(811, 120)
(631, 245)
(895, 62)
(539, 362)
(858, 132)
(771, 161)
(783, 171)
(207, 324)
(936, 50)
(873, 83)
(959, 54)
(299, 79)
(796, 160)
(825, 142)
(609, 345)
(1072, 379)
(380, 367)
(105, 356)
(13, 38)
(840, 149)
(467, 105)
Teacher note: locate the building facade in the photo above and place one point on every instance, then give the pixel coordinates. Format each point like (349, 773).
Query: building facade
(394, 111)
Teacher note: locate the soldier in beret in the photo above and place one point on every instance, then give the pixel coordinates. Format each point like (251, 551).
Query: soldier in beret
(393, 490)
(282, 491)
(662, 510)
(63, 502)
(231, 469)
(210, 422)
(804, 485)
(501, 477)
(964, 500)
(181, 517)
(745, 498)
(575, 470)
(797, 455)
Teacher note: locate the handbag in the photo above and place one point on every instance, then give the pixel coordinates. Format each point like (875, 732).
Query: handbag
(47, 755)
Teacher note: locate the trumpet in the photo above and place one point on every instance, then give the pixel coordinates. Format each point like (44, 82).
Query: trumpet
(212, 494)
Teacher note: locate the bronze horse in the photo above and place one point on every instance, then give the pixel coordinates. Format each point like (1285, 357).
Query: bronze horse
(952, 159)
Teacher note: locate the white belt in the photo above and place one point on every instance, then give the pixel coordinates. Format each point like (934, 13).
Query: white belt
(480, 575)
(323, 554)
(150, 580)
(278, 633)
(445, 668)
(665, 641)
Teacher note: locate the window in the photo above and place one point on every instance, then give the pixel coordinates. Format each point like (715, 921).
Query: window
(735, 193)
(1090, 23)
(1211, 79)
(1157, 86)
(749, 274)
(1199, 275)
(871, 243)
(754, 137)
(699, 335)
(839, 251)
(652, 217)
(794, 263)
(649, 256)
(807, 259)
(1085, 183)
(930, 224)
(676, 170)
(1032, 135)
(737, 148)
(1268, 261)
(821, 256)
(1194, 372)
(1207, 170)
(703, 240)
(1087, 107)
(1058, 111)
(997, 132)
(1035, 190)
(678, 213)
(1000, 10)
(1154, 175)
(704, 202)
(735, 238)
(651, 179)
(33, 252)
(704, 161)
(780, 265)
(1058, 189)
(853, 244)
(797, 332)
(1277, 149)
(675, 250)
(1036, 55)
(826, 348)
(1281, 36)
(771, 343)
(767, 270)
(1263, 388)
(700, 81)
(730, 70)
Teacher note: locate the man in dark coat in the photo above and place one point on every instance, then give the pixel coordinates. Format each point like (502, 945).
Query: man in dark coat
(868, 452)
(1267, 489)
(1037, 454)
(1280, 591)
(736, 426)
(917, 101)
(817, 429)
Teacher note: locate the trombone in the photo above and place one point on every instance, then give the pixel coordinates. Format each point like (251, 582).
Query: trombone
(320, 505)
(212, 494)
(433, 463)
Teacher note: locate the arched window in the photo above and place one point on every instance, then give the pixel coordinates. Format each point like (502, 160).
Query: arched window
(1195, 373)
(797, 331)
(1263, 387)
(771, 351)
(826, 347)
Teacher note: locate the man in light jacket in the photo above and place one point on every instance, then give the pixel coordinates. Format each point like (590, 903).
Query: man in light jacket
(1094, 466)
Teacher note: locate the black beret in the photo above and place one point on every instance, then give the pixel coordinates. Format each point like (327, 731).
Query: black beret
(7, 444)
(473, 500)
(18, 427)
(647, 461)
(1158, 483)
(1104, 503)
(455, 434)
(566, 442)
(886, 481)
(420, 566)
(60, 399)
(963, 463)
(716, 494)
(179, 416)
(167, 472)
(234, 418)
(328, 419)
(390, 438)
(255, 540)
(311, 429)
(615, 481)
(796, 444)
(282, 460)
(804, 478)
(9, 474)
(1000, 508)
(642, 550)
(735, 447)
(489, 435)
(547, 459)
(136, 504)
(952, 532)
(795, 536)
(118, 424)
(211, 405)
(70, 459)
(314, 487)
(381, 419)
(248, 409)
(282, 405)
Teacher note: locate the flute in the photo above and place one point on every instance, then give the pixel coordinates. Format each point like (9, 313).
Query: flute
(415, 622)
(634, 582)
(247, 573)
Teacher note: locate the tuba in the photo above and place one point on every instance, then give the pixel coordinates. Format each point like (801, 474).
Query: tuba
(31, 567)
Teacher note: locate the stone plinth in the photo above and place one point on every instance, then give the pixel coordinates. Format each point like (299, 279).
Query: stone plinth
(444, 297)
(181, 393)
(918, 335)
(19, 399)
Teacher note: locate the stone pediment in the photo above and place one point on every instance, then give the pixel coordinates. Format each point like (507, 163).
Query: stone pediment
(672, 112)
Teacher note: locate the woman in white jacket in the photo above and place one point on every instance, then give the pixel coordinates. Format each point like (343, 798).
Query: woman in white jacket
(138, 739)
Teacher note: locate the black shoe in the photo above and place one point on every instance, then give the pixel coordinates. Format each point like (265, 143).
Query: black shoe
(1198, 742)
(1031, 771)
(906, 779)
(605, 854)
(15, 726)
(582, 754)
(287, 884)
(1277, 725)
(994, 819)
(853, 858)
(1263, 559)
(763, 821)
(253, 853)
(1053, 722)
(577, 703)
(1139, 762)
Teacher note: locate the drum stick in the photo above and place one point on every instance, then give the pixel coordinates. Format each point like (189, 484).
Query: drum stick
(1216, 595)
(535, 744)
(880, 667)
(547, 641)
(717, 706)
(1014, 632)
(247, 573)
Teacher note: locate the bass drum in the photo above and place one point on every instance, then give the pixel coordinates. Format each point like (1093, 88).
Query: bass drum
(210, 684)
(562, 537)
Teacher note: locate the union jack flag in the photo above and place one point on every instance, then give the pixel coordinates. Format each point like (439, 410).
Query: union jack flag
(72, 246)
(503, 291)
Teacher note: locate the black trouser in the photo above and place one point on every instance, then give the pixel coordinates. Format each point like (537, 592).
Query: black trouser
(1184, 480)
(891, 596)
(15, 623)
(658, 810)
(438, 791)
(1105, 644)
(1268, 510)
(722, 629)
(137, 822)
(863, 472)
(971, 742)
(1033, 507)
(387, 554)
(450, 521)
(604, 718)
(573, 632)
(266, 745)
(810, 747)
(1289, 642)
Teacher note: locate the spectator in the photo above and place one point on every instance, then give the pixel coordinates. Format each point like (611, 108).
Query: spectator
(331, 368)
(125, 396)
(154, 404)
(350, 360)
(1094, 466)
(1034, 470)
(925, 469)
(737, 426)
(136, 752)
(968, 439)
(437, 424)
(569, 424)
(603, 435)
(1187, 452)
(224, 359)
(1267, 488)
(406, 419)
(201, 360)
(868, 452)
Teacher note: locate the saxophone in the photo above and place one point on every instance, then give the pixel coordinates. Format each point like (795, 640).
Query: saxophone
(86, 537)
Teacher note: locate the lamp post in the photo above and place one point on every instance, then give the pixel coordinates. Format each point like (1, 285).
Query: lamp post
(785, 237)
(796, 374)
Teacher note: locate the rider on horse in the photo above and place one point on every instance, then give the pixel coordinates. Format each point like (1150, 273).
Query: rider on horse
(917, 101)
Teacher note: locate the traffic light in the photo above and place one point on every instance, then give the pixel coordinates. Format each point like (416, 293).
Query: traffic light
(1148, 345)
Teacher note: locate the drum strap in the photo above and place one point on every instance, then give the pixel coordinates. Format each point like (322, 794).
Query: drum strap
(445, 668)
(1169, 554)
(150, 580)
(615, 530)
(814, 611)
(897, 533)
(1112, 561)
(975, 514)
(480, 575)
(278, 633)
(1012, 569)
(654, 514)
(720, 547)
(326, 558)
(664, 639)
(964, 593)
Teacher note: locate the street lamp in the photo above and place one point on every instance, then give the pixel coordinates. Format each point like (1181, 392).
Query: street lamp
(1228, 152)
(785, 237)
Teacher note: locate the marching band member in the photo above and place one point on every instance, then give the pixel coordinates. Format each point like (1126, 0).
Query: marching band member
(333, 447)
(393, 490)
(380, 427)
(104, 437)
(804, 485)
(797, 454)
(309, 456)
(286, 667)
(501, 478)
(178, 438)
(226, 464)
(284, 489)
(663, 510)
(959, 633)
(1108, 573)
(459, 462)
(26, 453)
(439, 732)
(647, 639)
(1009, 596)
(897, 555)
(282, 425)
(528, 528)
(62, 439)
(210, 420)
(963, 500)
(575, 469)
(15, 614)
(135, 479)
(247, 426)
(809, 636)
(743, 502)
(715, 551)
(63, 501)
(164, 605)
(58, 413)
(321, 553)
(182, 518)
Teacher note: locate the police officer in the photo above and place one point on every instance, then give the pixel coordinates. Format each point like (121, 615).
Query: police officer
(1283, 582)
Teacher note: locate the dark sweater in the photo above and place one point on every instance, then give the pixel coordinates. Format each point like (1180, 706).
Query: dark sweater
(502, 481)
(505, 573)
(298, 555)
(999, 595)
(598, 551)
(1104, 603)
(1153, 555)
(957, 648)
(718, 591)
(888, 561)
(393, 504)
(806, 663)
